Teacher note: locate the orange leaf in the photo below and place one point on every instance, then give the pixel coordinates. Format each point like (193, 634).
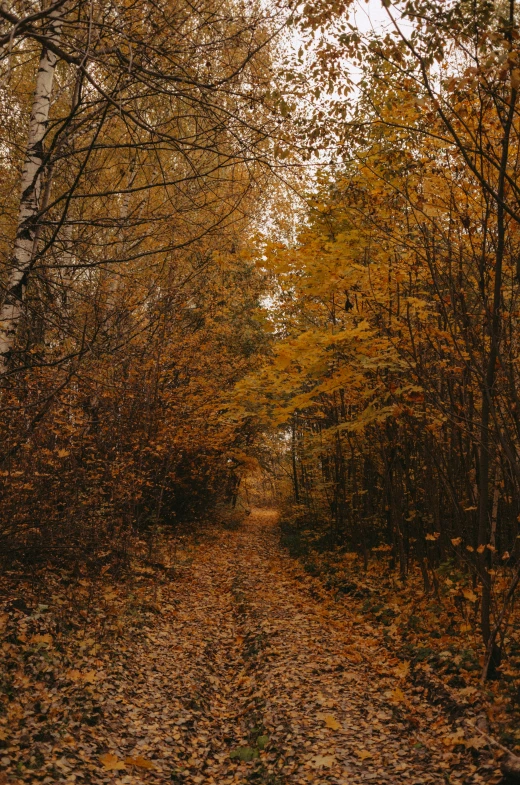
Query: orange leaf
(41, 638)
(140, 762)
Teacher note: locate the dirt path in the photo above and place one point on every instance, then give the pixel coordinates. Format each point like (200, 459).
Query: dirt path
(246, 655)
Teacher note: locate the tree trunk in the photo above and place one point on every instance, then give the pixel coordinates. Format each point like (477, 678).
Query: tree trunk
(294, 465)
(31, 187)
(490, 374)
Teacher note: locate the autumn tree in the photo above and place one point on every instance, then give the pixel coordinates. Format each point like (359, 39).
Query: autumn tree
(142, 138)
(147, 122)
(397, 305)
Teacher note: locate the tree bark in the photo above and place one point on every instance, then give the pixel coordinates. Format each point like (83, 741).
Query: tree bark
(31, 188)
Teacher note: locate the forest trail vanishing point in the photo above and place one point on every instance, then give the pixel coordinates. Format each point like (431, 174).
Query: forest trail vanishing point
(253, 674)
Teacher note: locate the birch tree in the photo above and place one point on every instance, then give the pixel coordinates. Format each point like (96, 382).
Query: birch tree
(31, 191)
(182, 91)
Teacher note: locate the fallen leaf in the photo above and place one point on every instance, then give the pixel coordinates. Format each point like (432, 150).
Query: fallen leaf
(323, 761)
(41, 639)
(353, 655)
(331, 722)
(452, 739)
(476, 742)
(397, 695)
(262, 742)
(323, 701)
(140, 762)
(112, 762)
(244, 753)
(402, 670)
(363, 754)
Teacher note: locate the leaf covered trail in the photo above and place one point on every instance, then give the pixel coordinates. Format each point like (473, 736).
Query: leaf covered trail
(252, 676)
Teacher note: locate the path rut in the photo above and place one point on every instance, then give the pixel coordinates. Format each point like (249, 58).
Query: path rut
(250, 660)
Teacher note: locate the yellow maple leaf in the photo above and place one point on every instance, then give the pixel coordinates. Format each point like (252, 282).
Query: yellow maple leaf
(397, 695)
(331, 722)
(476, 742)
(112, 762)
(402, 670)
(363, 754)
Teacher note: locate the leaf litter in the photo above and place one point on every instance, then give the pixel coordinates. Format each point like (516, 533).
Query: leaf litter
(238, 669)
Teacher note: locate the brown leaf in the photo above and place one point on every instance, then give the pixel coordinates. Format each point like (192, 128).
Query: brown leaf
(353, 655)
(453, 739)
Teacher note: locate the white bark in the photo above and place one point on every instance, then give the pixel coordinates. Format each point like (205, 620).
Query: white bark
(31, 187)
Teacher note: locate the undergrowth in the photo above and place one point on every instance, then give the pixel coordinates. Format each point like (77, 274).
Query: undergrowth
(437, 630)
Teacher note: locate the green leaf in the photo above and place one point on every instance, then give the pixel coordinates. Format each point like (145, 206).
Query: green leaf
(244, 753)
(262, 742)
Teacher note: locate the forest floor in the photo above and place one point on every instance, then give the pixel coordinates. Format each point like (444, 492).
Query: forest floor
(243, 669)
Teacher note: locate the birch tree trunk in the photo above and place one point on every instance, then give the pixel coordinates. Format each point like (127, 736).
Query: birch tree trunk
(31, 188)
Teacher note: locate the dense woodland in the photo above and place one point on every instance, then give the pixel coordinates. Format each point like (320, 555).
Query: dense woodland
(247, 239)
(141, 136)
